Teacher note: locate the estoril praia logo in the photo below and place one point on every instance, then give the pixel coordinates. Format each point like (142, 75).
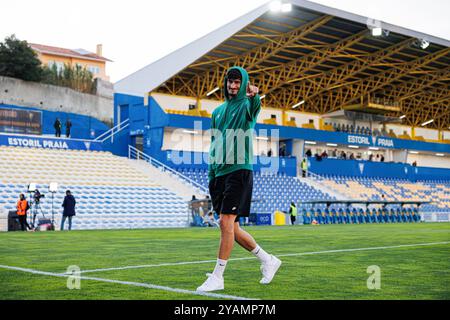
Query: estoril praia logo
(37, 143)
(376, 141)
(87, 145)
(385, 142)
(359, 140)
(361, 168)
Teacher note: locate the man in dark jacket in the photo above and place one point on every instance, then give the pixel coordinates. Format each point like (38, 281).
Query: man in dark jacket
(68, 127)
(57, 126)
(69, 209)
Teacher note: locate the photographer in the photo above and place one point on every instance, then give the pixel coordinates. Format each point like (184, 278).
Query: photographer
(22, 208)
(36, 199)
(37, 196)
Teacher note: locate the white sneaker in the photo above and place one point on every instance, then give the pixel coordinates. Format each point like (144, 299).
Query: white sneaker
(269, 269)
(213, 283)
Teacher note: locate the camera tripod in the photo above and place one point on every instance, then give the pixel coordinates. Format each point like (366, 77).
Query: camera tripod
(35, 208)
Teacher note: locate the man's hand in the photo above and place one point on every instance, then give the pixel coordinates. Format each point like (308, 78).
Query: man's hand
(252, 91)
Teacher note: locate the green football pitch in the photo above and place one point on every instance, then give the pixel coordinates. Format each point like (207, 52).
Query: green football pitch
(323, 262)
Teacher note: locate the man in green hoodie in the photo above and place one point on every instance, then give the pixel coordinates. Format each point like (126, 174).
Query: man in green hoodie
(231, 174)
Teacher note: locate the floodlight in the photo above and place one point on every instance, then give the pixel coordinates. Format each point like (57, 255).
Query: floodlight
(375, 27)
(424, 44)
(262, 97)
(311, 142)
(275, 6)
(53, 187)
(32, 187)
(427, 123)
(286, 7)
(402, 117)
(298, 104)
(211, 92)
(377, 32)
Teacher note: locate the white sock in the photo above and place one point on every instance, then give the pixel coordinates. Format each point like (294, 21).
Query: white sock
(261, 254)
(220, 268)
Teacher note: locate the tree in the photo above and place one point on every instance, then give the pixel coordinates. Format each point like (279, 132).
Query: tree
(75, 77)
(18, 60)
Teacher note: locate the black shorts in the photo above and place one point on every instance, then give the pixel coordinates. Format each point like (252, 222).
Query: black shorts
(232, 193)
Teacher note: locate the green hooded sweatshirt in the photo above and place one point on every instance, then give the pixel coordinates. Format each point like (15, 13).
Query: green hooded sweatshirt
(234, 118)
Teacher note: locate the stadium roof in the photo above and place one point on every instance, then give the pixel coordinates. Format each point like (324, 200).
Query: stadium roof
(325, 58)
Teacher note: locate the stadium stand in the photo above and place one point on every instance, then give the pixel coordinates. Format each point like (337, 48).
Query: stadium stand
(110, 193)
(372, 189)
(270, 192)
(274, 193)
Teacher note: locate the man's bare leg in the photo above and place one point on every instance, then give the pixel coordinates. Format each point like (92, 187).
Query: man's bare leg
(244, 239)
(215, 280)
(226, 235)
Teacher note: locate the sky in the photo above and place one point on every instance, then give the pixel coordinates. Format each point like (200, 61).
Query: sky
(135, 33)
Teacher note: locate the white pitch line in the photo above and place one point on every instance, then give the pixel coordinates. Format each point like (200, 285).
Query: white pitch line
(136, 284)
(252, 258)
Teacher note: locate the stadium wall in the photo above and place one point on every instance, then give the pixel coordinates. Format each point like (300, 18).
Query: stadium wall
(430, 161)
(83, 127)
(368, 169)
(55, 99)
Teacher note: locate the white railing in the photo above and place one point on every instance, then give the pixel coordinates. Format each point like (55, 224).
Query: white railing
(314, 176)
(136, 154)
(113, 131)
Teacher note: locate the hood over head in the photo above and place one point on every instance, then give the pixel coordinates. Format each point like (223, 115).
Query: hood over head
(243, 90)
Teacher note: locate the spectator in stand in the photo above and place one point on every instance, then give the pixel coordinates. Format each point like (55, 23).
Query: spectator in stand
(371, 157)
(57, 126)
(308, 153)
(352, 157)
(68, 127)
(318, 157)
(343, 155)
(269, 153)
(324, 154)
(334, 153)
(414, 164)
(382, 158)
(283, 150)
(377, 159)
